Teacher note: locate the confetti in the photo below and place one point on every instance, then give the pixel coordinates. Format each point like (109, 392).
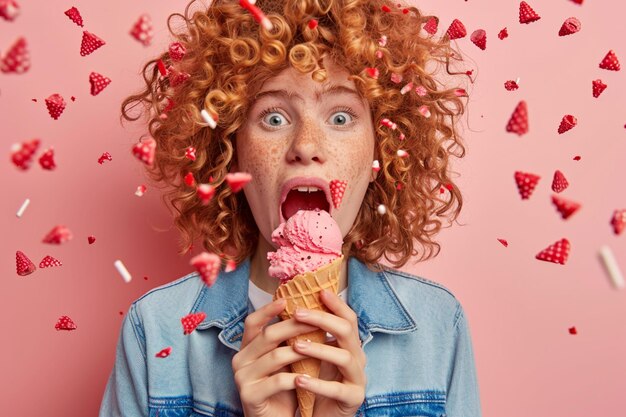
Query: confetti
(90, 43)
(503, 34)
(98, 83)
(190, 153)
(611, 266)
(141, 190)
(610, 62)
(208, 266)
(312, 24)
(236, 181)
(460, 92)
(121, 269)
(376, 165)
(144, 150)
(558, 252)
(23, 207)
(74, 16)
(382, 41)
(421, 91)
(570, 26)
(22, 154)
(104, 157)
(372, 72)
(567, 123)
(91, 239)
(618, 221)
(59, 234)
(511, 85)
(456, 30)
(559, 182)
(407, 87)
(176, 77)
(572, 330)
(526, 183)
(205, 192)
(388, 123)
(337, 190)
(48, 261)
(402, 153)
(177, 51)
(55, 105)
(231, 265)
(65, 323)
(23, 264)
(9, 10)
(424, 111)
(258, 15)
(142, 30)
(192, 320)
(479, 38)
(565, 207)
(431, 25)
(189, 179)
(597, 87)
(17, 59)
(504, 242)
(518, 123)
(46, 160)
(210, 119)
(164, 353)
(527, 14)
(381, 209)
(396, 78)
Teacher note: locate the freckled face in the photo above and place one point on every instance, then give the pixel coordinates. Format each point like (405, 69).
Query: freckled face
(284, 137)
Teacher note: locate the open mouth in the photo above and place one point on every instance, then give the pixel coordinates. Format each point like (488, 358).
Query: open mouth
(303, 200)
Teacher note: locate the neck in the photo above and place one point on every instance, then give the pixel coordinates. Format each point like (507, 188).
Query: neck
(259, 266)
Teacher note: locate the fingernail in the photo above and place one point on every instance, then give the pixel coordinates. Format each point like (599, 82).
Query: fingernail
(281, 302)
(300, 312)
(302, 344)
(325, 293)
(303, 379)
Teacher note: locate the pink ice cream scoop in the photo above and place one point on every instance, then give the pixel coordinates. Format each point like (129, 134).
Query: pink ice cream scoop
(307, 240)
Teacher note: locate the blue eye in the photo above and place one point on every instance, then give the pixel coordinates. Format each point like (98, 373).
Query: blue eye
(276, 116)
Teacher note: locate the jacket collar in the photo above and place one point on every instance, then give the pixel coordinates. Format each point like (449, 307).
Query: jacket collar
(370, 295)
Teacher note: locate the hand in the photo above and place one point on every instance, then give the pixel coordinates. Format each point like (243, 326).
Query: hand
(344, 395)
(266, 387)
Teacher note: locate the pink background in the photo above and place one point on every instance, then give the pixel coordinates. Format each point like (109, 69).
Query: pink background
(519, 308)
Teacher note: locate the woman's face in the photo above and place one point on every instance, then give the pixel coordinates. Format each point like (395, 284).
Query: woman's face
(293, 134)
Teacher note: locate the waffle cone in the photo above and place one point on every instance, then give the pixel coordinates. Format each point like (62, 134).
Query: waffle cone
(304, 291)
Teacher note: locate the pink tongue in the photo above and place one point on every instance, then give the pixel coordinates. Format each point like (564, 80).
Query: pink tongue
(297, 200)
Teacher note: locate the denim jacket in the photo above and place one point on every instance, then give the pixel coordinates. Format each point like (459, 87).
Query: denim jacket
(415, 335)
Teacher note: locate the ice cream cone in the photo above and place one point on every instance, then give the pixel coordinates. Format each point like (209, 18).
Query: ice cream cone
(303, 290)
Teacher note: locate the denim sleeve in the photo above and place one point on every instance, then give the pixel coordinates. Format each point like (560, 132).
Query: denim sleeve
(462, 399)
(126, 392)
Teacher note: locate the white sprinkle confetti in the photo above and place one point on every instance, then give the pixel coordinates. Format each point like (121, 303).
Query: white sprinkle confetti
(23, 207)
(207, 118)
(122, 271)
(611, 266)
(381, 209)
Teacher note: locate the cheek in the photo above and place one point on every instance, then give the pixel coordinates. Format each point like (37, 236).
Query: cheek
(260, 161)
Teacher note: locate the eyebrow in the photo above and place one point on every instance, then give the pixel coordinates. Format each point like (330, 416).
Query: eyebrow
(332, 89)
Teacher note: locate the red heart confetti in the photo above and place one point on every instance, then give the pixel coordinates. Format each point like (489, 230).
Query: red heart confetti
(59, 234)
(49, 261)
(90, 43)
(191, 321)
(23, 264)
(526, 183)
(372, 72)
(236, 181)
(558, 252)
(91, 239)
(559, 182)
(337, 190)
(65, 323)
(564, 206)
(16, 59)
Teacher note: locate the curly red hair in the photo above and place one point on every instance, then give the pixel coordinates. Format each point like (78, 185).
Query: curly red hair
(228, 57)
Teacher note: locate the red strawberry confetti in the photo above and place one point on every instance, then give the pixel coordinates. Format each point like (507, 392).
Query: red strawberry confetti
(74, 16)
(518, 123)
(46, 160)
(610, 62)
(176, 77)
(570, 26)
(618, 221)
(231, 265)
(142, 30)
(9, 9)
(258, 15)
(164, 353)
(59, 234)
(190, 153)
(479, 38)
(558, 252)
(564, 206)
(459, 92)
(567, 123)
(177, 51)
(504, 242)
(105, 157)
(559, 182)
(191, 321)
(431, 25)
(98, 82)
(503, 34)
(49, 261)
(90, 43)
(372, 72)
(141, 190)
(17, 59)
(91, 239)
(236, 181)
(597, 87)
(456, 30)
(572, 330)
(189, 179)
(337, 190)
(511, 85)
(23, 264)
(22, 154)
(205, 193)
(144, 150)
(526, 183)
(55, 105)
(527, 14)
(65, 323)
(421, 91)
(208, 266)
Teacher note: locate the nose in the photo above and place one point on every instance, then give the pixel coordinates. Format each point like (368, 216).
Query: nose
(307, 145)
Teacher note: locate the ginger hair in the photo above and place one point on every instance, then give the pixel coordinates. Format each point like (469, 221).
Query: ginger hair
(229, 56)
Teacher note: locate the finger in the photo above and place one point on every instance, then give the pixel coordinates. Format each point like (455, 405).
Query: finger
(257, 320)
(346, 332)
(338, 306)
(272, 362)
(347, 363)
(351, 395)
(259, 391)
